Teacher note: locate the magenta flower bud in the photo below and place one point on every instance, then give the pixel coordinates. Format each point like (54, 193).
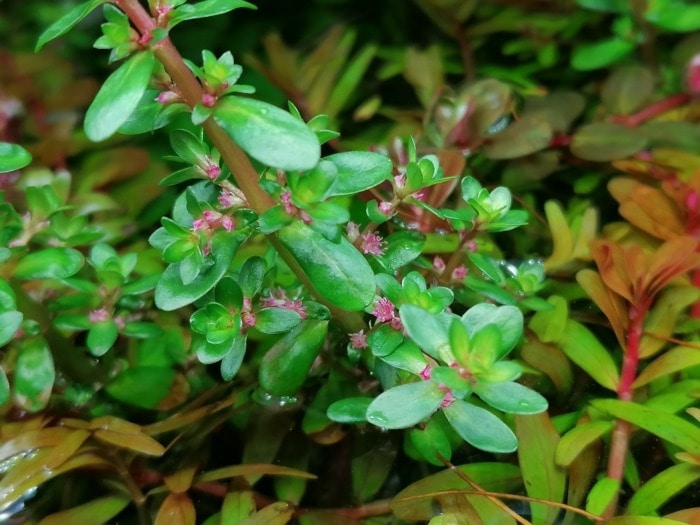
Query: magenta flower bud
(385, 207)
(208, 100)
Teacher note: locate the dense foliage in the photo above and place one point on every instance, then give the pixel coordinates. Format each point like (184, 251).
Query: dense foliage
(378, 261)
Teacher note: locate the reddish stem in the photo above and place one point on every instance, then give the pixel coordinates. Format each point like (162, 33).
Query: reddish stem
(560, 140)
(654, 110)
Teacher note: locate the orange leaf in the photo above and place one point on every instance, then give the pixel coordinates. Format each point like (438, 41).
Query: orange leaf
(609, 303)
(177, 509)
(610, 259)
(674, 258)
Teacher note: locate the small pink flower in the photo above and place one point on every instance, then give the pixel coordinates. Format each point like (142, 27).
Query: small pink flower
(99, 315)
(449, 397)
(208, 100)
(459, 273)
(168, 97)
(227, 223)
(211, 216)
(358, 340)
(296, 306)
(286, 200)
(385, 207)
(438, 264)
(212, 171)
(383, 310)
(692, 202)
(372, 243)
(247, 319)
(200, 224)
(471, 246)
(353, 231)
(229, 199)
(426, 373)
(420, 194)
(399, 182)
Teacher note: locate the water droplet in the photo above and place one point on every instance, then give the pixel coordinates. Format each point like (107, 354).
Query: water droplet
(377, 419)
(277, 402)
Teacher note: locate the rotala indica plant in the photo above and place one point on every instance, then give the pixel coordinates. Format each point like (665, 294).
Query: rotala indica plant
(362, 316)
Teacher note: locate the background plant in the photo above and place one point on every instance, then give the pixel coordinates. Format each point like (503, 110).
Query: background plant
(331, 285)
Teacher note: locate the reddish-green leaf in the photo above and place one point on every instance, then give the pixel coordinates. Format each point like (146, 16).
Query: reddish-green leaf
(605, 141)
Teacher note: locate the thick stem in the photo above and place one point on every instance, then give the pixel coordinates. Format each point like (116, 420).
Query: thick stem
(237, 161)
(654, 110)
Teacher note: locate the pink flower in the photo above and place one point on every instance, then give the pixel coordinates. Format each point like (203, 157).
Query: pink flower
(99, 315)
(471, 246)
(230, 199)
(247, 319)
(212, 171)
(459, 273)
(168, 97)
(426, 373)
(358, 340)
(227, 223)
(449, 397)
(372, 243)
(208, 100)
(211, 216)
(200, 224)
(420, 194)
(385, 207)
(286, 200)
(399, 182)
(438, 264)
(383, 310)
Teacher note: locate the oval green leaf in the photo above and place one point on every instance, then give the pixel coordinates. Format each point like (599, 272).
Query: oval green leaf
(480, 428)
(524, 137)
(605, 141)
(13, 157)
(425, 329)
(9, 324)
(359, 171)
(512, 398)
(119, 96)
(600, 54)
(172, 294)
(662, 487)
(50, 263)
(66, 22)
(584, 349)
(405, 405)
(577, 439)
(95, 512)
(350, 410)
(268, 134)
(508, 319)
(142, 386)
(34, 375)
(626, 90)
(339, 272)
(102, 336)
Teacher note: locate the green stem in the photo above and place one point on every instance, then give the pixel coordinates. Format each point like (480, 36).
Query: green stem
(237, 161)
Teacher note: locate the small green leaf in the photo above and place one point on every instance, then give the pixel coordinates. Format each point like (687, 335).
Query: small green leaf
(49, 263)
(9, 324)
(232, 361)
(4, 388)
(13, 157)
(606, 141)
(119, 96)
(578, 438)
(524, 137)
(627, 89)
(401, 248)
(142, 386)
(662, 487)
(508, 319)
(339, 272)
(480, 428)
(251, 277)
(286, 365)
(405, 405)
(549, 325)
(512, 398)
(205, 9)
(384, 340)
(359, 171)
(584, 349)
(350, 410)
(602, 495)
(276, 320)
(102, 336)
(662, 424)
(600, 54)
(268, 134)
(675, 16)
(431, 440)
(34, 375)
(66, 22)
(172, 294)
(425, 329)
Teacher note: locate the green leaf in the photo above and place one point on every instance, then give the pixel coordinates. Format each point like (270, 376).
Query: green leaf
(524, 137)
(430, 441)
(251, 277)
(119, 96)
(66, 22)
(642, 520)
(205, 9)
(672, 361)
(13, 157)
(611, 6)
(142, 386)
(480, 428)
(9, 324)
(550, 325)
(339, 272)
(627, 89)
(425, 330)
(594, 56)
(405, 405)
(49, 263)
(34, 375)
(512, 398)
(584, 349)
(286, 365)
(543, 479)
(232, 361)
(276, 320)
(209, 353)
(662, 424)
(172, 294)
(384, 340)
(662, 487)
(508, 319)
(675, 16)
(4, 388)
(401, 248)
(359, 171)
(268, 134)
(602, 495)
(578, 438)
(606, 141)
(350, 410)
(96, 512)
(101, 337)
